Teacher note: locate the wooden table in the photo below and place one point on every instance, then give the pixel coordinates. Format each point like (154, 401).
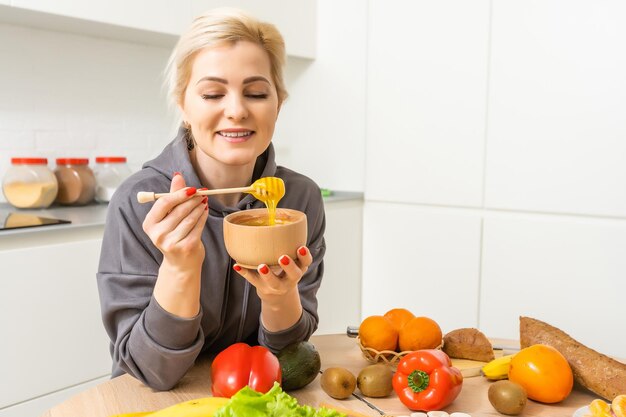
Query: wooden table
(125, 394)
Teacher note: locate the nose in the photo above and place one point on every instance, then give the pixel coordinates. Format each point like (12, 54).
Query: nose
(235, 107)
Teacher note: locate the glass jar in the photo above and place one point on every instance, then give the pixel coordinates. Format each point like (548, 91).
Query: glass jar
(29, 183)
(77, 184)
(110, 172)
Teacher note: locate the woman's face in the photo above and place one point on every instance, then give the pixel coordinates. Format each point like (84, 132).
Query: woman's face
(231, 103)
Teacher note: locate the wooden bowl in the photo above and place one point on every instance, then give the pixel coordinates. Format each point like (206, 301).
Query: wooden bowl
(251, 245)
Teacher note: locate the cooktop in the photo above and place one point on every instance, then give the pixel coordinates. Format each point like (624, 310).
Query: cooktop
(16, 220)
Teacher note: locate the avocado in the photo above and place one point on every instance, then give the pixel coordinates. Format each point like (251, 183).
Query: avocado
(300, 364)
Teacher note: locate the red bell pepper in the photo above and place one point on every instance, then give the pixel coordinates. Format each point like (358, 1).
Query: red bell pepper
(426, 380)
(239, 365)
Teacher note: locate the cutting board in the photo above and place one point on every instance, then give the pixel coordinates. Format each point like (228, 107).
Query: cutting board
(471, 368)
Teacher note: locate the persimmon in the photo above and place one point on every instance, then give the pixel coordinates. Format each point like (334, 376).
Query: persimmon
(377, 332)
(419, 333)
(543, 372)
(398, 317)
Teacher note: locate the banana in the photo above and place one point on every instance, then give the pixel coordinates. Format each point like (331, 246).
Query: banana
(498, 368)
(200, 407)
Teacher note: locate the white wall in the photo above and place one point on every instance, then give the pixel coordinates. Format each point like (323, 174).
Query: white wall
(70, 95)
(496, 165)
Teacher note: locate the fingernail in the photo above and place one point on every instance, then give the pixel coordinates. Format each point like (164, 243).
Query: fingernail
(202, 189)
(264, 269)
(176, 173)
(284, 260)
(204, 200)
(191, 191)
(206, 207)
(236, 267)
(302, 250)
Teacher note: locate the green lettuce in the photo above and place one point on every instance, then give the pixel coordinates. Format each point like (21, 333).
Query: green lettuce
(275, 403)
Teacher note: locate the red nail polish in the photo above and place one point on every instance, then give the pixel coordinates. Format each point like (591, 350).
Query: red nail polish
(302, 250)
(176, 173)
(204, 200)
(264, 269)
(236, 267)
(284, 260)
(202, 189)
(191, 191)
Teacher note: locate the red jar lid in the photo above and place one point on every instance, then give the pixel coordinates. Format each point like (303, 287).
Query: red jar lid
(72, 161)
(29, 161)
(110, 159)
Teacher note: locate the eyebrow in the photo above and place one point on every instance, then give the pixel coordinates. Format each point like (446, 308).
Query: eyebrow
(245, 81)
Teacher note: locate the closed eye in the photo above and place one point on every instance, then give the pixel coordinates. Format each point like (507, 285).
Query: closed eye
(211, 96)
(257, 96)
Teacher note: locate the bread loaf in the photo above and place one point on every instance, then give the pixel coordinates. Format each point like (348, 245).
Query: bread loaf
(468, 343)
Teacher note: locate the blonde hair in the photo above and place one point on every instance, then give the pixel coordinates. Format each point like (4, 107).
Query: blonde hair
(214, 28)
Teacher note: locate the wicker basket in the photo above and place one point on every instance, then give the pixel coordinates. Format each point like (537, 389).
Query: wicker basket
(388, 357)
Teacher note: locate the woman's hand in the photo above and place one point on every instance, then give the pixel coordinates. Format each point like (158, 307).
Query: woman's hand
(175, 223)
(278, 289)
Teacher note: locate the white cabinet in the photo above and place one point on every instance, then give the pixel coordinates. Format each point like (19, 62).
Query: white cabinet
(164, 16)
(296, 20)
(426, 87)
(51, 326)
(423, 259)
(160, 22)
(339, 296)
(39, 405)
(557, 100)
(568, 272)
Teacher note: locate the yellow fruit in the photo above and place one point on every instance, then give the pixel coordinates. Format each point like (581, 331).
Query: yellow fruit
(498, 368)
(201, 407)
(619, 406)
(599, 408)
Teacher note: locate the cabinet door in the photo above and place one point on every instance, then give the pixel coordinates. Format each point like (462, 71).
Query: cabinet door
(427, 66)
(52, 332)
(296, 20)
(39, 405)
(568, 272)
(424, 259)
(340, 294)
(165, 16)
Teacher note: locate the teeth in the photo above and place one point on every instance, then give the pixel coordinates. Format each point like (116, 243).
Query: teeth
(235, 134)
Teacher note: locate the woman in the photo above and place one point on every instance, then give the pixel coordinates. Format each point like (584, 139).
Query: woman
(168, 289)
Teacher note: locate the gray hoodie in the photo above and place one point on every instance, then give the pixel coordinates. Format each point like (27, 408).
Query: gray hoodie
(157, 347)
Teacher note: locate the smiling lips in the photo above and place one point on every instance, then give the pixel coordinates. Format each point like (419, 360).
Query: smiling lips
(236, 136)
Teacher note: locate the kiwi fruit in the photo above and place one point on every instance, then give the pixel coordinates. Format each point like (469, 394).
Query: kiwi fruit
(337, 382)
(375, 381)
(507, 397)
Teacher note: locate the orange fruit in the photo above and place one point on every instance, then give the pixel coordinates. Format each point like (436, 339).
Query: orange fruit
(398, 317)
(543, 372)
(619, 406)
(419, 333)
(376, 332)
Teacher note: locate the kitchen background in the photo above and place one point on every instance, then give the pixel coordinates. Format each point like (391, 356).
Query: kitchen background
(488, 139)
